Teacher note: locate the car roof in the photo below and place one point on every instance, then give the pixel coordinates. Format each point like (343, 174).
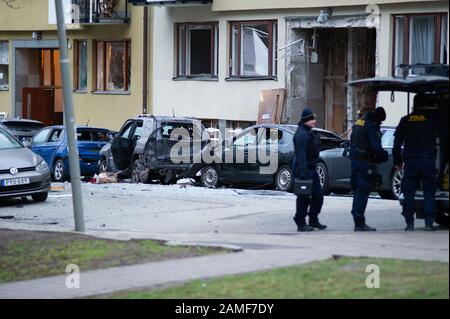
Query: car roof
(161, 118)
(291, 127)
(78, 127)
(14, 120)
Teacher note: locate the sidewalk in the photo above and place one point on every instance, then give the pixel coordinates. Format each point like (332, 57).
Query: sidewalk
(277, 252)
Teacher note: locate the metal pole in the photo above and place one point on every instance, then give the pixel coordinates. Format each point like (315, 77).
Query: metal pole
(69, 120)
(145, 62)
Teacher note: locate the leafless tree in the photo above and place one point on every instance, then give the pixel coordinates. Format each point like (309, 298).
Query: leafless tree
(11, 4)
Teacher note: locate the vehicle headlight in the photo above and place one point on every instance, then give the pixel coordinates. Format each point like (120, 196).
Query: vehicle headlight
(42, 166)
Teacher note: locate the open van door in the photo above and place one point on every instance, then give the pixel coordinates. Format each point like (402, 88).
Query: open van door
(433, 81)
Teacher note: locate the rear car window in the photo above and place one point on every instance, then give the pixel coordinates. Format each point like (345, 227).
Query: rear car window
(23, 126)
(168, 128)
(85, 135)
(8, 142)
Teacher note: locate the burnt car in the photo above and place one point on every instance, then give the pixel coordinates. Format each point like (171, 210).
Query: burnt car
(142, 148)
(254, 140)
(23, 130)
(433, 81)
(334, 170)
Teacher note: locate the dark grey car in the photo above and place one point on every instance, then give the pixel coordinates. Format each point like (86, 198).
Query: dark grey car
(335, 170)
(22, 173)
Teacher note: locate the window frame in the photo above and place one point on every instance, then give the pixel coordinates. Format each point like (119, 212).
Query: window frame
(126, 68)
(438, 16)
(214, 25)
(273, 54)
(76, 74)
(5, 87)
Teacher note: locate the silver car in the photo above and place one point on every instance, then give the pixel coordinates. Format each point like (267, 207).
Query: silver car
(22, 173)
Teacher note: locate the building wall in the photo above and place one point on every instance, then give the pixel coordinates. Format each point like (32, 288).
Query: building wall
(398, 109)
(99, 109)
(230, 100)
(239, 100)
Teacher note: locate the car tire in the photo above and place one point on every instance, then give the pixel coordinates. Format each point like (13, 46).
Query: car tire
(41, 197)
(395, 186)
(284, 179)
(210, 177)
(59, 171)
(138, 173)
(324, 178)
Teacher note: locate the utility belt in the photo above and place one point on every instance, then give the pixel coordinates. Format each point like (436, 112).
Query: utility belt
(361, 155)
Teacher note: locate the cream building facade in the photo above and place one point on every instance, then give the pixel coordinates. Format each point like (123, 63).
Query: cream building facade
(311, 59)
(105, 50)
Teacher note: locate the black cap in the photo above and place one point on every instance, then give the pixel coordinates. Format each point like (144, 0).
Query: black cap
(308, 115)
(380, 114)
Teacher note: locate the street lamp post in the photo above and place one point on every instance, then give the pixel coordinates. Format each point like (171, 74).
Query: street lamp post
(69, 120)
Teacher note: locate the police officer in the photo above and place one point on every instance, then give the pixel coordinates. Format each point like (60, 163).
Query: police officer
(416, 132)
(307, 149)
(365, 153)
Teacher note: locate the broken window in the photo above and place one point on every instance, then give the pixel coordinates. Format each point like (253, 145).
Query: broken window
(253, 49)
(80, 65)
(197, 54)
(4, 65)
(113, 66)
(420, 39)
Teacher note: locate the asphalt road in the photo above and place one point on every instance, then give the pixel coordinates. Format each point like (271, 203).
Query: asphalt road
(246, 218)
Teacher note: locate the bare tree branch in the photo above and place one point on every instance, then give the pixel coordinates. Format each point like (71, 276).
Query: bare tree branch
(11, 4)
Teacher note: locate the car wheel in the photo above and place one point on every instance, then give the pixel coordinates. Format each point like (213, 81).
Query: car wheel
(322, 171)
(138, 173)
(41, 197)
(59, 171)
(395, 186)
(284, 179)
(210, 177)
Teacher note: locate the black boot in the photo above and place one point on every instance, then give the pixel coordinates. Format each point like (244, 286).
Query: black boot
(301, 225)
(305, 228)
(363, 228)
(409, 226)
(429, 226)
(316, 224)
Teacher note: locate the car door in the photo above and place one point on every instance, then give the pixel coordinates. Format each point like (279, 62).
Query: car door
(122, 146)
(277, 144)
(90, 142)
(172, 134)
(242, 153)
(46, 143)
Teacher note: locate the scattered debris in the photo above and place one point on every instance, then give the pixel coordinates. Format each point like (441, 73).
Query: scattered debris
(57, 188)
(105, 178)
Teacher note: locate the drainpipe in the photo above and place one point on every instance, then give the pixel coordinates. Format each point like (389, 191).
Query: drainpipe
(145, 62)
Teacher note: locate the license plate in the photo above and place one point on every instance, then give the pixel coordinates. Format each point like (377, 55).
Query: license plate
(15, 182)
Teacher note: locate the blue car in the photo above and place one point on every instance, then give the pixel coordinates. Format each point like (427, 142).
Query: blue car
(51, 144)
